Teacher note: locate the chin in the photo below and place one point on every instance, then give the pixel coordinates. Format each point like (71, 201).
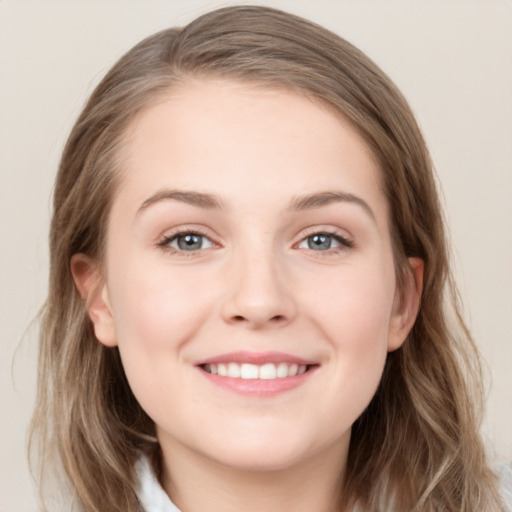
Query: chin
(262, 459)
(268, 450)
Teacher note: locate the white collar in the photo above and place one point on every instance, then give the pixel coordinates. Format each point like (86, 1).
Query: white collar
(506, 485)
(149, 491)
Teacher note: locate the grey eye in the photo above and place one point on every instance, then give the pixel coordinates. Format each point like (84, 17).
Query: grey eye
(190, 242)
(319, 242)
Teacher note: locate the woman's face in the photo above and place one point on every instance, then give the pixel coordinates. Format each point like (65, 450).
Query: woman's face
(249, 280)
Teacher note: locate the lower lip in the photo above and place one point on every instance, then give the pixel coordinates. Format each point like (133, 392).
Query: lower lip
(259, 387)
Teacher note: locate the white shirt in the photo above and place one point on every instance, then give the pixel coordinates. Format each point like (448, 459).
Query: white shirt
(506, 486)
(150, 493)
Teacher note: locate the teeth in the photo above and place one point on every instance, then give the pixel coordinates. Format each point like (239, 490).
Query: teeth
(268, 371)
(248, 371)
(233, 370)
(282, 370)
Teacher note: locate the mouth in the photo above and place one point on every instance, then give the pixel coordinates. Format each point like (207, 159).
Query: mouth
(249, 373)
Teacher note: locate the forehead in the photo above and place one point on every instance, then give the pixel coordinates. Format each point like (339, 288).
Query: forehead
(241, 139)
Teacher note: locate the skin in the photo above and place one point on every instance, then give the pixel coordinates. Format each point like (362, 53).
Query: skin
(257, 285)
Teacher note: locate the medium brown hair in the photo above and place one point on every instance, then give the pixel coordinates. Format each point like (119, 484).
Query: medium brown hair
(417, 445)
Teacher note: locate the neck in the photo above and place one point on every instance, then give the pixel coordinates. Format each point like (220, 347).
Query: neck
(196, 484)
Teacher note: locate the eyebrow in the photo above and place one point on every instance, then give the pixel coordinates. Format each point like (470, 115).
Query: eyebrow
(319, 199)
(300, 203)
(198, 199)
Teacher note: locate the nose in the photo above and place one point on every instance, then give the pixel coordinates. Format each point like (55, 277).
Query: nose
(260, 294)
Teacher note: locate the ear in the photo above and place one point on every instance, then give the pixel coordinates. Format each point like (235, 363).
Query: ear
(93, 290)
(407, 304)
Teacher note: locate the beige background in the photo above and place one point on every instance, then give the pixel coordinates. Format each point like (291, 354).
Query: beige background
(453, 61)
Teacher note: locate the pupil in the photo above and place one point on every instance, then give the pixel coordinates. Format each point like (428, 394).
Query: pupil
(188, 242)
(319, 242)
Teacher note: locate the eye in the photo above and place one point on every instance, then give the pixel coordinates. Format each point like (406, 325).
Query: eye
(324, 242)
(187, 242)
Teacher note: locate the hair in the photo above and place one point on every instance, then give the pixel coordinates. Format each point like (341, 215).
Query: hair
(417, 445)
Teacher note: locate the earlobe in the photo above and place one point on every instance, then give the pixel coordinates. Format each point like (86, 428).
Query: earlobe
(407, 304)
(93, 290)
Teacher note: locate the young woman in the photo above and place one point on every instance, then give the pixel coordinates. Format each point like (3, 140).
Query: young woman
(250, 302)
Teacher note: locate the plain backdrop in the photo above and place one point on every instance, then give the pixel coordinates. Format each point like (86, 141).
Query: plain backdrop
(453, 61)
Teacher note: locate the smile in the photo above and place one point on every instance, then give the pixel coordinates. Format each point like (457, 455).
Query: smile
(257, 374)
(249, 371)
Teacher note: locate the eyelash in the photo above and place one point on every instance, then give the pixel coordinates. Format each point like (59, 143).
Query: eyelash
(344, 242)
(168, 239)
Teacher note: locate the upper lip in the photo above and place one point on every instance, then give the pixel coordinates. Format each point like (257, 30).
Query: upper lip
(257, 358)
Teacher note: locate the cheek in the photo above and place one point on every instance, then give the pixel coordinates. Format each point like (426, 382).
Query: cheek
(156, 315)
(155, 308)
(355, 319)
(356, 305)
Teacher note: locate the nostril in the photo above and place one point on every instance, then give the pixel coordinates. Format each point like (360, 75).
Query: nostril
(273, 319)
